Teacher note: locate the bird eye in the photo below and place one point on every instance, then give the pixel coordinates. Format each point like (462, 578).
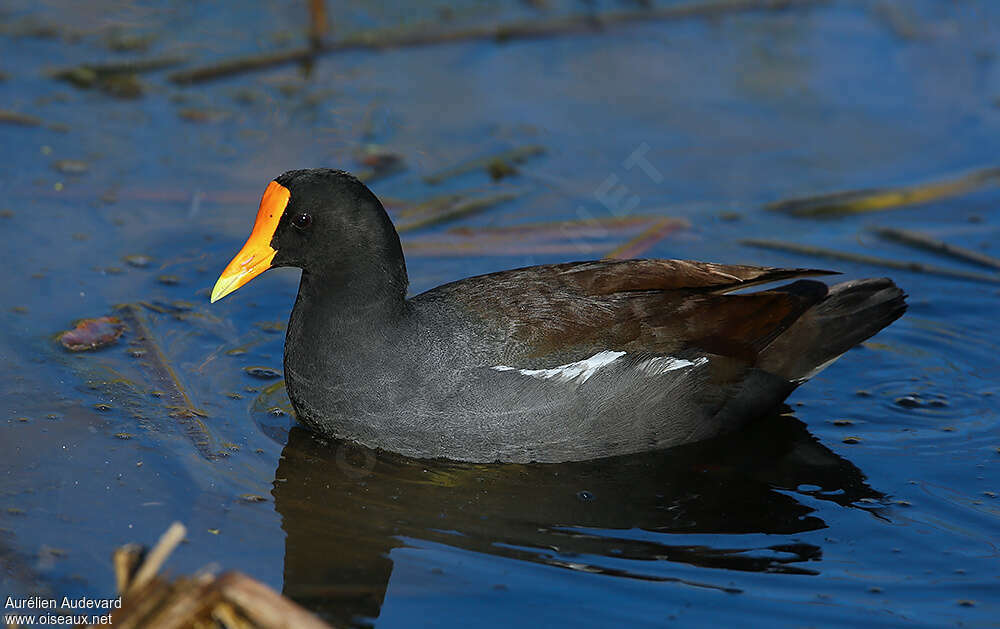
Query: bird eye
(302, 220)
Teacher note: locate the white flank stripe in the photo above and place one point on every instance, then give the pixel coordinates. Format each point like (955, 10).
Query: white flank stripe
(662, 364)
(581, 370)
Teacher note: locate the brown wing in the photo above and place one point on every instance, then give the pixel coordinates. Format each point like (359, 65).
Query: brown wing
(564, 312)
(606, 277)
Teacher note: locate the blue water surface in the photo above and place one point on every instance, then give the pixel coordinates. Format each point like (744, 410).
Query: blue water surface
(873, 498)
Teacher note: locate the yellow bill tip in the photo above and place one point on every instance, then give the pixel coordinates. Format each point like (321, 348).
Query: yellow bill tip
(223, 287)
(248, 264)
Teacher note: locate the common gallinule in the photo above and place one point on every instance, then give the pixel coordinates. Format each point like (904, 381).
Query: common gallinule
(547, 363)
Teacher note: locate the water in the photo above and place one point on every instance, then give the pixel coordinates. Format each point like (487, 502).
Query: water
(849, 508)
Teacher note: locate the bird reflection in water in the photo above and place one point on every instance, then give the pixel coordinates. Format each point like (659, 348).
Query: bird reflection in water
(344, 508)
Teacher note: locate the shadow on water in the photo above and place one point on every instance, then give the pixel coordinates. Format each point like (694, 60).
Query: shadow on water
(344, 508)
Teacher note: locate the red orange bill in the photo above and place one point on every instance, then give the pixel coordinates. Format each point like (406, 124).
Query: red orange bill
(256, 255)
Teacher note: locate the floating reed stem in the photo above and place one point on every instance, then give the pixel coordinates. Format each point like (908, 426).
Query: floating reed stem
(455, 210)
(880, 199)
(917, 267)
(923, 241)
(426, 36)
(175, 393)
(513, 156)
(648, 238)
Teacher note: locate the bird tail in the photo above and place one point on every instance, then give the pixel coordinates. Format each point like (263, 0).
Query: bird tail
(850, 313)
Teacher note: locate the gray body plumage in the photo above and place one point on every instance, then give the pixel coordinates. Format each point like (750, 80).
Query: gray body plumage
(432, 380)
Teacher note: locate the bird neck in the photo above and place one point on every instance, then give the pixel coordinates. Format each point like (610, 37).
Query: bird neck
(341, 310)
(355, 295)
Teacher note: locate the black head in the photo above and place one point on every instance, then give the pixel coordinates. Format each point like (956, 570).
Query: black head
(325, 222)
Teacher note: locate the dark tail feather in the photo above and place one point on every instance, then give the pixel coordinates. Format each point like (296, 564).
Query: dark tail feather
(852, 312)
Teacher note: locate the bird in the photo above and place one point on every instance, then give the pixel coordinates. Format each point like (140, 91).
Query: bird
(542, 364)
